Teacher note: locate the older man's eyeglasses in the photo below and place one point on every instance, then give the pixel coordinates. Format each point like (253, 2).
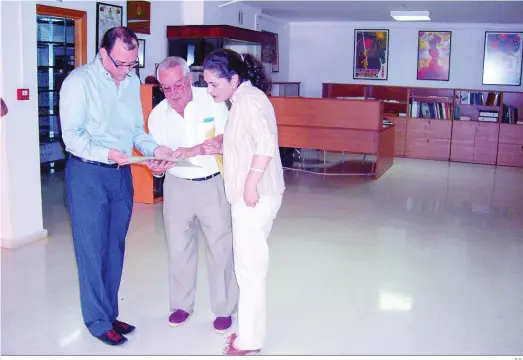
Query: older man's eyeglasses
(176, 87)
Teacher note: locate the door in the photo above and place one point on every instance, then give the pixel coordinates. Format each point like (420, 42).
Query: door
(61, 47)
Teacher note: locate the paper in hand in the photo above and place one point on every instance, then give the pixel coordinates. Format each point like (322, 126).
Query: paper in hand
(179, 162)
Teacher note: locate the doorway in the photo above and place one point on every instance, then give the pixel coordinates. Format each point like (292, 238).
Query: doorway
(61, 46)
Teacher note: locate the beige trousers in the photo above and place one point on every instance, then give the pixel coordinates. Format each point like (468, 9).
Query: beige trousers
(184, 202)
(251, 227)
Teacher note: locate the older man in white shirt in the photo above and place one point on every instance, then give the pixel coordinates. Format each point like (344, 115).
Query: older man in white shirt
(186, 118)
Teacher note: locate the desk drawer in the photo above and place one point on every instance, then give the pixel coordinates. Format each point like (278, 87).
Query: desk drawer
(429, 128)
(434, 149)
(511, 134)
(510, 154)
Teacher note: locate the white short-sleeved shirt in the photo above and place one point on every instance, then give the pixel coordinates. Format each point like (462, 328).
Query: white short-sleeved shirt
(201, 115)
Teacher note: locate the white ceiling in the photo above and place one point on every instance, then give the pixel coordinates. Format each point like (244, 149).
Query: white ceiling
(507, 12)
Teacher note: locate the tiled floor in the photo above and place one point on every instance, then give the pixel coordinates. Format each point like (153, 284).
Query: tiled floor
(426, 260)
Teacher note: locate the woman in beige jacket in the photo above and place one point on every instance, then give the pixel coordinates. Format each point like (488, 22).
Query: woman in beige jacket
(254, 184)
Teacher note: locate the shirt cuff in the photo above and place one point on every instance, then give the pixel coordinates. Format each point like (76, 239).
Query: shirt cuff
(101, 154)
(147, 147)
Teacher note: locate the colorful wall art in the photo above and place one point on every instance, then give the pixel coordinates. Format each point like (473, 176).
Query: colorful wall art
(371, 53)
(502, 59)
(434, 55)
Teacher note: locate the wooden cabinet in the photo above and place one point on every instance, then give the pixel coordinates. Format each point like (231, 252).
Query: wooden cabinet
(428, 139)
(510, 148)
(462, 147)
(400, 129)
(448, 124)
(475, 142)
(486, 143)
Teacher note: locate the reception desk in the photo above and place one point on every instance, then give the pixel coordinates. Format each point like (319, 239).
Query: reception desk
(349, 126)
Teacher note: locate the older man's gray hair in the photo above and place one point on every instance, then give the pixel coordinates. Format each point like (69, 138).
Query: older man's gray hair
(172, 62)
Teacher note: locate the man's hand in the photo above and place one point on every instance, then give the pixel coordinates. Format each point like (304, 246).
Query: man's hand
(212, 146)
(159, 167)
(162, 151)
(117, 157)
(181, 153)
(185, 153)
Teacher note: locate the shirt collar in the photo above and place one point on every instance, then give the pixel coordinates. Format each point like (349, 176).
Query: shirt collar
(241, 89)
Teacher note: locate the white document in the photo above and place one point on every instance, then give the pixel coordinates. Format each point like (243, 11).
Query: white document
(179, 162)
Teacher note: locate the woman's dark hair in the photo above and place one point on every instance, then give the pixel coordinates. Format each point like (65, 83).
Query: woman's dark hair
(126, 35)
(225, 63)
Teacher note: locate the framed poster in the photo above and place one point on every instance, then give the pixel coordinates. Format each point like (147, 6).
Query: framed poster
(371, 54)
(139, 16)
(502, 58)
(270, 52)
(434, 55)
(107, 16)
(141, 53)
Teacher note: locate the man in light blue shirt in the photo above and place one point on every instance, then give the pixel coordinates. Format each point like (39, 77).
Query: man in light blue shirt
(101, 119)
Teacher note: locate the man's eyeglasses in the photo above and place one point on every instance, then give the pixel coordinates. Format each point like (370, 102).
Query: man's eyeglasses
(176, 87)
(130, 66)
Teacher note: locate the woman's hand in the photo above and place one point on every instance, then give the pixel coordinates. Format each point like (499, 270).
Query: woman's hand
(212, 147)
(251, 196)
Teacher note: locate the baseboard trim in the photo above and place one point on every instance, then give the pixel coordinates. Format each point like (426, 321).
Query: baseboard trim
(23, 240)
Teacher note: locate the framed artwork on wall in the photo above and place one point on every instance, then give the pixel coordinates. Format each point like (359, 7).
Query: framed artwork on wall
(502, 58)
(139, 16)
(371, 54)
(269, 52)
(107, 16)
(141, 53)
(434, 55)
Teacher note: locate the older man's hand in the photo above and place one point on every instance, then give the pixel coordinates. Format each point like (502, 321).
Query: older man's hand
(159, 167)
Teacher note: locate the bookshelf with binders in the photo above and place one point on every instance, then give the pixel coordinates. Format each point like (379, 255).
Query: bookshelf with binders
(429, 125)
(465, 125)
(476, 126)
(510, 145)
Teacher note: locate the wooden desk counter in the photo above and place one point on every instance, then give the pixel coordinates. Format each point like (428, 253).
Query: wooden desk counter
(351, 126)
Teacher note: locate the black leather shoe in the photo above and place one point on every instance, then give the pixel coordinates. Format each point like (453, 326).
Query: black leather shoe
(122, 328)
(112, 338)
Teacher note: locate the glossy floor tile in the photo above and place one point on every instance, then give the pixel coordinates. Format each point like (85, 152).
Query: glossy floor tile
(426, 260)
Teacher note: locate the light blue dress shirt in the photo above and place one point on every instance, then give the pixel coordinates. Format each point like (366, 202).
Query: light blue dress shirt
(96, 116)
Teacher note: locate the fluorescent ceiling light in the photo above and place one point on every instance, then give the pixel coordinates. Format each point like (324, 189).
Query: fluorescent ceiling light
(229, 3)
(408, 15)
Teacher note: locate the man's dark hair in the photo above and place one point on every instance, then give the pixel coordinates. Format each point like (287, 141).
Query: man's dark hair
(126, 35)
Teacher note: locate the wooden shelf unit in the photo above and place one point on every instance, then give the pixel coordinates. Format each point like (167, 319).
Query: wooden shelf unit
(434, 130)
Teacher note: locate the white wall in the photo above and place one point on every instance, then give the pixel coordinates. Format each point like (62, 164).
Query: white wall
(281, 28)
(228, 15)
(21, 217)
(323, 52)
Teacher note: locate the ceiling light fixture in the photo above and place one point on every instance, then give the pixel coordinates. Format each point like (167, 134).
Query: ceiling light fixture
(229, 3)
(410, 15)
